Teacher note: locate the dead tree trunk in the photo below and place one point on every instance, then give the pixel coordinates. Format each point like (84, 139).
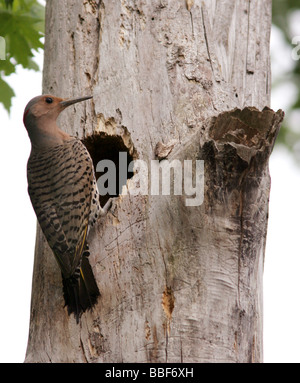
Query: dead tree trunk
(180, 80)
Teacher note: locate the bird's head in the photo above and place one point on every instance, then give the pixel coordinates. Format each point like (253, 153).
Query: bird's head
(40, 116)
(46, 108)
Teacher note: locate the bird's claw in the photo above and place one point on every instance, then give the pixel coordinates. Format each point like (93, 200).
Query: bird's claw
(104, 210)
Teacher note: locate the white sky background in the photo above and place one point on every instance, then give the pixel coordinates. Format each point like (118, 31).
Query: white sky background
(18, 226)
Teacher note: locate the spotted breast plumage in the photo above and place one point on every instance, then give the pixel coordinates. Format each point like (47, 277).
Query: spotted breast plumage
(64, 195)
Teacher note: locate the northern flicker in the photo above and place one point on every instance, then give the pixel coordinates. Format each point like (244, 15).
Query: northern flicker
(63, 192)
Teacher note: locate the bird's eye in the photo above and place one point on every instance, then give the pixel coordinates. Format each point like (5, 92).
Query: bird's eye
(49, 100)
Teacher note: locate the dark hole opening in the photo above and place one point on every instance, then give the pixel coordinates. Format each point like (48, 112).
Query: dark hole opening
(102, 146)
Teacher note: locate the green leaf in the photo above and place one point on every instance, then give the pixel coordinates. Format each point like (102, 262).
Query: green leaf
(7, 3)
(6, 94)
(33, 65)
(7, 67)
(22, 26)
(6, 26)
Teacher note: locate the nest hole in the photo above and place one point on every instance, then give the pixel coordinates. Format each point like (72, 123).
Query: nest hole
(103, 147)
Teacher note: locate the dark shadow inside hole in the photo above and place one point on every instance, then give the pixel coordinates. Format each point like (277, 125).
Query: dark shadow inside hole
(102, 146)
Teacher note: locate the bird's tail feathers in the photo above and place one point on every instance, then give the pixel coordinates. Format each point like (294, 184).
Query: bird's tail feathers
(80, 290)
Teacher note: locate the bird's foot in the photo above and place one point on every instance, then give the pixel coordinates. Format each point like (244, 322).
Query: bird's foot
(104, 210)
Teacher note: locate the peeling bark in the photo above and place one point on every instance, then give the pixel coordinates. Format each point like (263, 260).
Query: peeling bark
(173, 80)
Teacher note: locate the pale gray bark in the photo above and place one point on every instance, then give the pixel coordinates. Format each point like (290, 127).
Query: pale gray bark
(177, 283)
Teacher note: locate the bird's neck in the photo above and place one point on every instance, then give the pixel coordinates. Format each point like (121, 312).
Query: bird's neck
(49, 135)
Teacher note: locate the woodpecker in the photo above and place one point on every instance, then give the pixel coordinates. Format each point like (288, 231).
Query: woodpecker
(64, 195)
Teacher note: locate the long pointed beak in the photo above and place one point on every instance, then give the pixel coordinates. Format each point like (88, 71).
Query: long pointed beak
(72, 101)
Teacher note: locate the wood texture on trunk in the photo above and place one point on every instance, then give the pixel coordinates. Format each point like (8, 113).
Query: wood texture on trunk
(177, 283)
